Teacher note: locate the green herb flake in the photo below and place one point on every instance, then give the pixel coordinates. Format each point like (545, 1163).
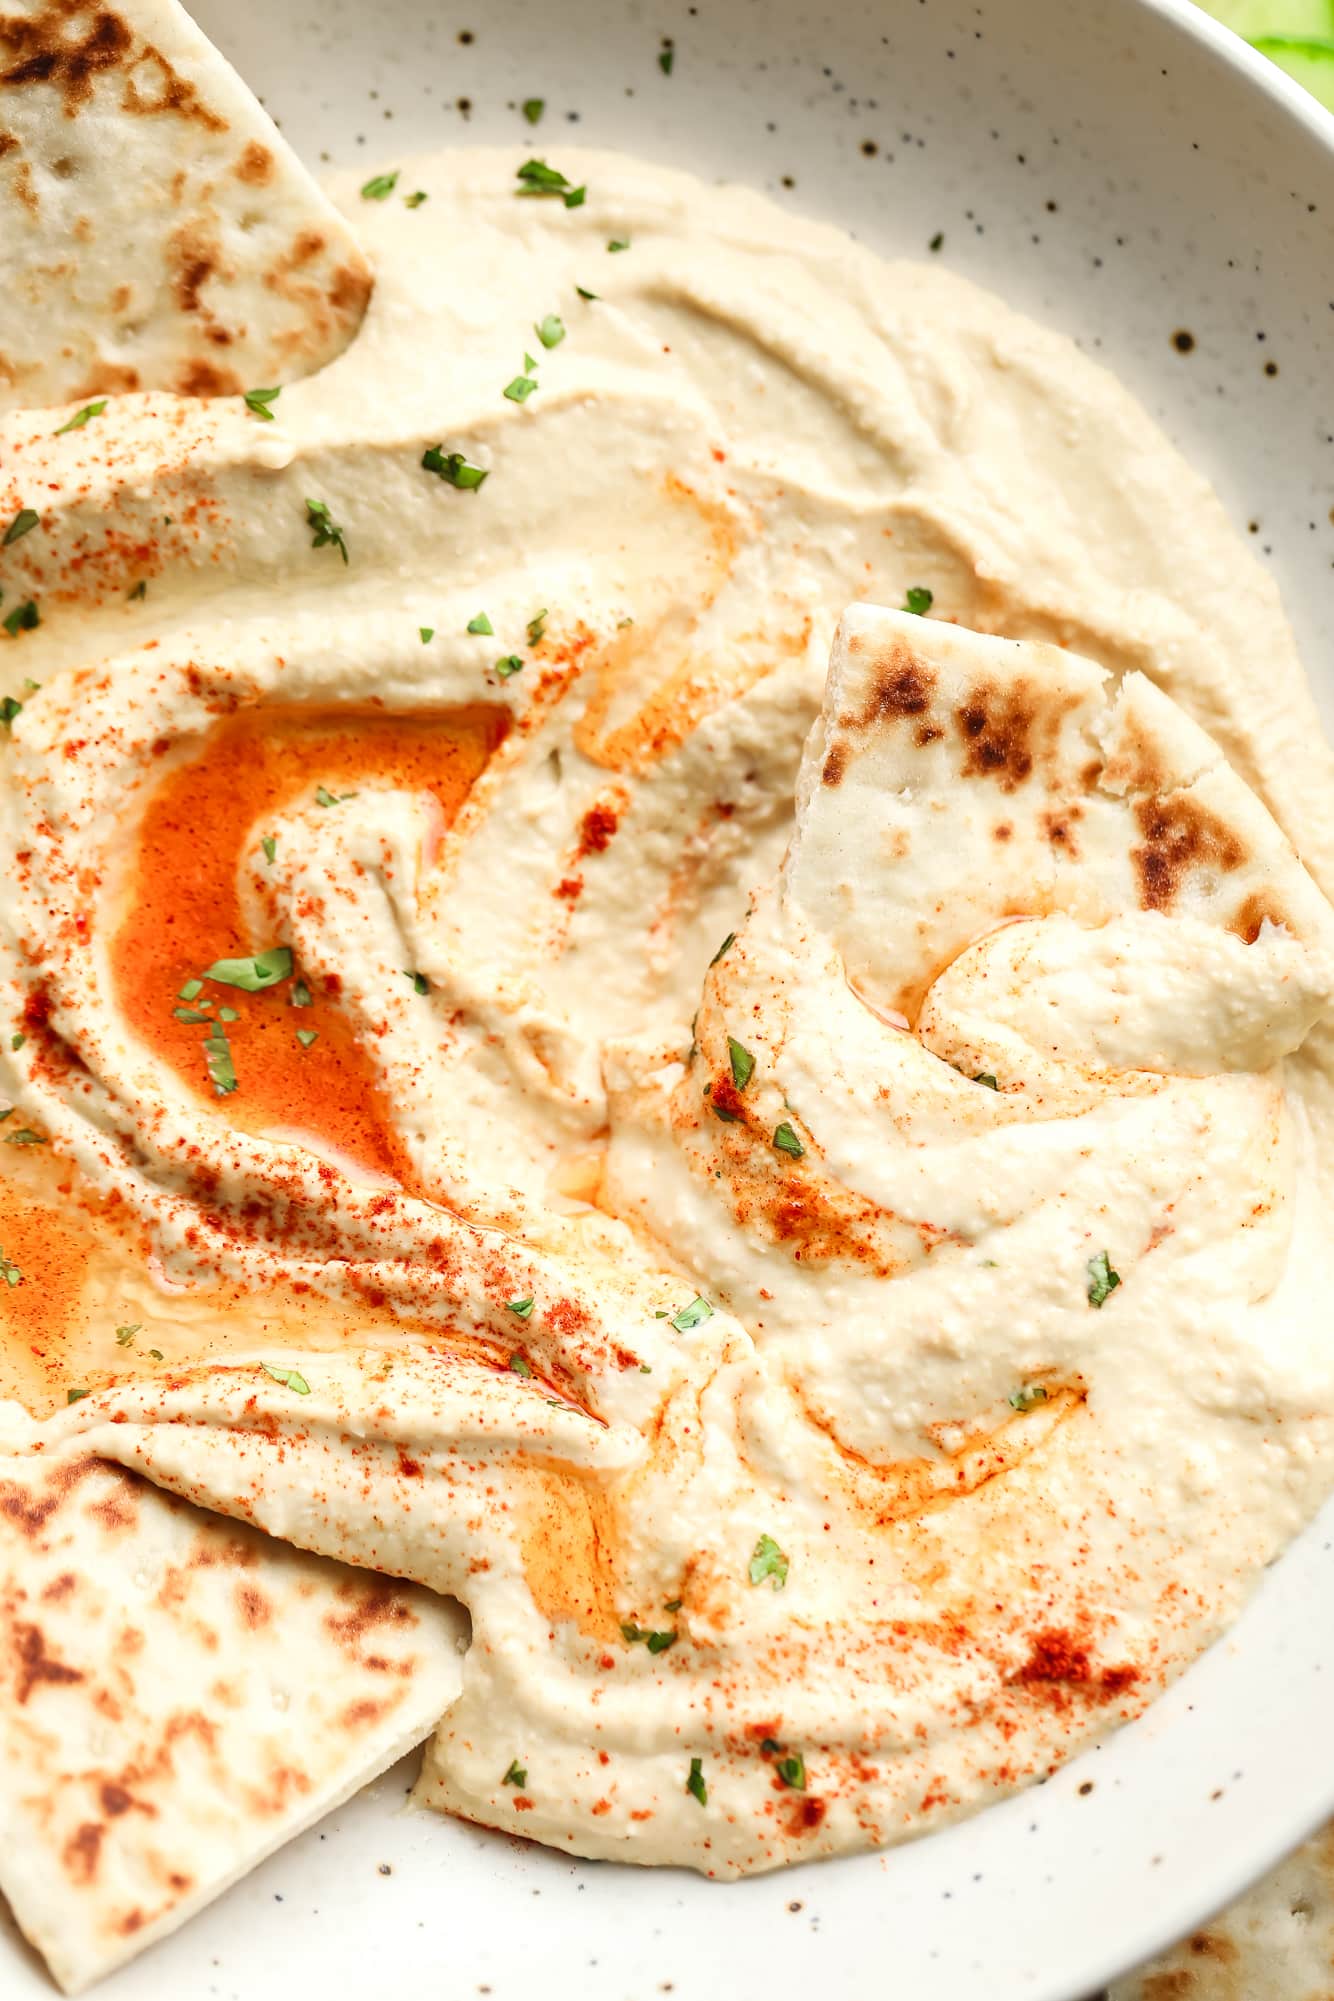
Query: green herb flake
(726, 945)
(768, 1561)
(938, 240)
(23, 523)
(218, 1056)
(585, 294)
(919, 600)
(695, 1785)
(191, 1014)
(453, 468)
(551, 330)
(9, 1271)
(291, 1379)
(307, 1036)
(657, 1643)
(380, 187)
(257, 402)
(743, 1063)
(80, 417)
(74, 1396)
(786, 1141)
(693, 1315)
(415, 199)
(327, 534)
(10, 707)
(140, 590)
(520, 388)
(17, 1041)
(228, 1014)
(516, 1775)
(252, 975)
(1027, 1397)
(426, 633)
(520, 1364)
(538, 179)
(523, 1307)
(191, 990)
(510, 664)
(672, 1604)
(533, 107)
(985, 1077)
(420, 983)
(618, 243)
(269, 843)
(1102, 1280)
(666, 58)
(792, 1771)
(300, 996)
(482, 625)
(125, 1335)
(537, 627)
(24, 618)
(26, 1136)
(156, 1354)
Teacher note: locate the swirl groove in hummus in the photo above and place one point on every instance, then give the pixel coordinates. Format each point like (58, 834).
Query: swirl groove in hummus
(833, 1412)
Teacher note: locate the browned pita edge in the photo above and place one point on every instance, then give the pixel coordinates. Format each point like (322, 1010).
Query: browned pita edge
(157, 230)
(179, 1695)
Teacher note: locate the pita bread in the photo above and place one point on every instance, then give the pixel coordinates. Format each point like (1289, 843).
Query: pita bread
(179, 1695)
(1276, 1944)
(158, 233)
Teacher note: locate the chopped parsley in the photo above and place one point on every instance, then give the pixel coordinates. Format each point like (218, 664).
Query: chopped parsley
(80, 417)
(585, 294)
(510, 664)
(537, 626)
(481, 624)
(23, 618)
(257, 402)
(191, 990)
(538, 179)
(520, 1364)
(191, 1014)
(218, 1056)
(743, 1063)
(156, 1354)
(425, 633)
(73, 1396)
(523, 1307)
(300, 994)
(520, 388)
(380, 187)
(125, 1335)
(291, 1379)
(420, 983)
(695, 1785)
(618, 243)
(792, 1771)
(1027, 1397)
(533, 107)
(228, 1014)
(985, 1077)
(919, 600)
(26, 1136)
(786, 1141)
(768, 1561)
(415, 199)
(327, 535)
(1102, 1280)
(140, 590)
(24, 521)
(9, 708)
(657, 1643)
(666, 57)
(17, 1041)
(516, 1775)
(269, 843)
(9, 1272)
(307, 1036)
(453, 468)
(693, 1315)
(252, 975)
(551, 330)
(728, 941)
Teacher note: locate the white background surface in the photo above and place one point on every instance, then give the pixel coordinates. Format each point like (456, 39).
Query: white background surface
(1117, 177)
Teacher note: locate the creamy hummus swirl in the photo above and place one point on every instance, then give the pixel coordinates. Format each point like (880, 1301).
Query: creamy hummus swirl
(831, 1413)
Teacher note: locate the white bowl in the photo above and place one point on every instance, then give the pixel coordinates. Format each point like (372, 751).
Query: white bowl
(1124, 172)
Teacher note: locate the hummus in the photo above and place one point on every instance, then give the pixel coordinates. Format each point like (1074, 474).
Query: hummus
(837, 1298)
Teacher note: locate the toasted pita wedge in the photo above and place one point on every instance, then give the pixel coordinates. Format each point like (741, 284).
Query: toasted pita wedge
(179, 1695)
(157, 231)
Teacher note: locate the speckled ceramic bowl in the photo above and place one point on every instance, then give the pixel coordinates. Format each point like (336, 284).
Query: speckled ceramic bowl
(1134, 175)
